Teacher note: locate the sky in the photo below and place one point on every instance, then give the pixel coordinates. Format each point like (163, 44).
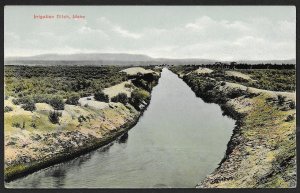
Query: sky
(206, 32)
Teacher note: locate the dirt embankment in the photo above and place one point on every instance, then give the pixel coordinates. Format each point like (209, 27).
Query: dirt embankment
(32, 142)
(261, 151)
(29, 150)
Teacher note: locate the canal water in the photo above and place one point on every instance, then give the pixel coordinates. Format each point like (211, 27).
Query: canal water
(177, 142)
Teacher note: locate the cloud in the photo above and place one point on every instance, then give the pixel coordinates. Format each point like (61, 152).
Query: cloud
(85, 29)
(252, 38)
(108, 25)
(203, 37)
(126, 33)
(207, 23)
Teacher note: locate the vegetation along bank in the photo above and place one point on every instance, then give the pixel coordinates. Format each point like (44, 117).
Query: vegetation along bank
(262, 149)
(55, 113)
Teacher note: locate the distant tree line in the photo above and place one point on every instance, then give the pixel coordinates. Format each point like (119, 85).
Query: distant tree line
(235, 65)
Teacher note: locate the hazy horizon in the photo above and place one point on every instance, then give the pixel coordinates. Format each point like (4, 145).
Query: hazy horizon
(10, 57)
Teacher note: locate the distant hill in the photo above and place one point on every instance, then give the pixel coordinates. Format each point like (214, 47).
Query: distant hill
(84, 57)
(119, 59)
(291, 61)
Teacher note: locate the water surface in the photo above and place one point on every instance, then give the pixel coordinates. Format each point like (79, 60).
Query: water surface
(177, 142)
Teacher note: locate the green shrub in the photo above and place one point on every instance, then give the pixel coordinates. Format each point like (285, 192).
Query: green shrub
(128, 85)
(72, 99)
(57, 103)
(18, 125)
(54, 116)
(41, 98)
(234, 93)
(28, 106)
(292, 105)
(138, 82)
(138, 96)
(19, 101)
(33, 125)
(290, 118)
(81, 118)
(209, 86)
(85, 94)
(121, 97)
(101, 96)
(7, 109)
(281, 99)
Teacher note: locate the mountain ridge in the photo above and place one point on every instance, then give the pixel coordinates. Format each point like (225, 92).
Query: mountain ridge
(126, 57)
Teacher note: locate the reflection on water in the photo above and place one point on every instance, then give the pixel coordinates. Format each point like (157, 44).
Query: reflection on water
(176, 143)
(58, 172)
(123, 138)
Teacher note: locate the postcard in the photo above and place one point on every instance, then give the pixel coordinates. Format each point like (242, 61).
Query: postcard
(149, 96)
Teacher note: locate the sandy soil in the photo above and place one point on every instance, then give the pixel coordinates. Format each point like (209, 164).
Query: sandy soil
(135, 70)
(203, 71)
(238, 74)
(289, 95)
(92, 103)
(119, 88)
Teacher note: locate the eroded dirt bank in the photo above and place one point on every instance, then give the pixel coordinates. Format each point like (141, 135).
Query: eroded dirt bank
(262, 149)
